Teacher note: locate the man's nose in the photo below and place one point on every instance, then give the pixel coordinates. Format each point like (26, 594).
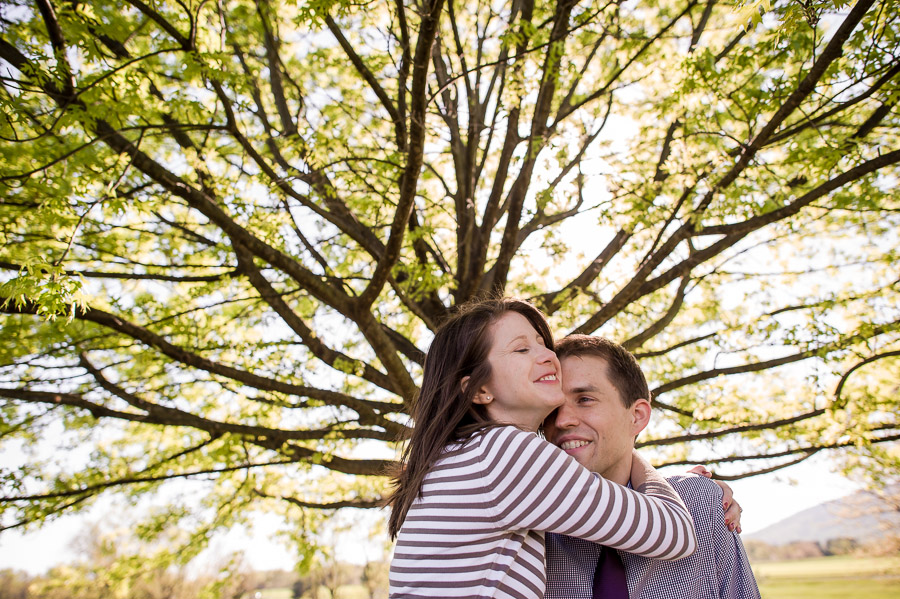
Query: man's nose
(566, 417)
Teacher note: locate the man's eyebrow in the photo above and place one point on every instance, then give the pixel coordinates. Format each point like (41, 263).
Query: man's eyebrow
(585, 389)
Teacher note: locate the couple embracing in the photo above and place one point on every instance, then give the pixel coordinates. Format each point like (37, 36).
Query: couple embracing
(486, 507)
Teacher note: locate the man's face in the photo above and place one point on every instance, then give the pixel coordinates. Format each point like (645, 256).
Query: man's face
(593, 425)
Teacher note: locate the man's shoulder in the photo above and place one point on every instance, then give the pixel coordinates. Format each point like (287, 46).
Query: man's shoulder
(697, 490)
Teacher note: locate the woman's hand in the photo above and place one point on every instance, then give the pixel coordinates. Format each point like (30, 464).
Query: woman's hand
(732, 508)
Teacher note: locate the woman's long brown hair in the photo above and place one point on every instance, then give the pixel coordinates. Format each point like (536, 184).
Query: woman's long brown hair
(444, 412)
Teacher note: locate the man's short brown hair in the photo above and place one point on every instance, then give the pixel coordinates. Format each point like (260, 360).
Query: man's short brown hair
(621, 366)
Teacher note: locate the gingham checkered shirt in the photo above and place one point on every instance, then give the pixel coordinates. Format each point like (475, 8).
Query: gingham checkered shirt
(717, 570)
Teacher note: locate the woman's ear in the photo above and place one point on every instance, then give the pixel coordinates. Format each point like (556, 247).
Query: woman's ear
(482, 397)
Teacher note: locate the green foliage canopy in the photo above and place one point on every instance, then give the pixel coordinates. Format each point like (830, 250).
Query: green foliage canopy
(229, 228)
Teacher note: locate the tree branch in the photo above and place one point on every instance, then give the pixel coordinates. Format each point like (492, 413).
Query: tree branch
(333, 505)
(335, 359)
(138, 479)
(88, 274)
(187, 358)
(732, 234)
(369, 77)
(551, 302)
(288, 127)
(565, 111)
(660, 325)
(157, 18)
(536, 140)
(409, 180)
(772, 363)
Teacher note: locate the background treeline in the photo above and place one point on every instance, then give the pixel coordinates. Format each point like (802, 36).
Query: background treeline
(324, 579)
(759, 551)
(83, 582)
(367, 581)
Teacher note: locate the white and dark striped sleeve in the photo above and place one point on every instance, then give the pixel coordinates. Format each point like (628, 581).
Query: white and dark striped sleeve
(537, 486)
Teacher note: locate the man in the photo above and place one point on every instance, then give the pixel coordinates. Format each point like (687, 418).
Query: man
(607, 405)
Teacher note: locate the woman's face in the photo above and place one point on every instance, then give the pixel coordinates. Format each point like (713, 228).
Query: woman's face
(525, 381)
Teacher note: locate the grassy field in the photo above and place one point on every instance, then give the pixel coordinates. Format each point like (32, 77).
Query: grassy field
(350, 591)
(836, 577)
(274, 594)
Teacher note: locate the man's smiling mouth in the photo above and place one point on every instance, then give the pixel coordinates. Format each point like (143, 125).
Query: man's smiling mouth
(573, 445)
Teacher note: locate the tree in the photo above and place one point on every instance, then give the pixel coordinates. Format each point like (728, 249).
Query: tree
(375, 578)
(14, 584)
(118, 564)
(301, 586)
(229, 229)
(840, 546)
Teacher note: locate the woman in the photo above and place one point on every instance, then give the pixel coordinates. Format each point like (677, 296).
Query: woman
(479, 488)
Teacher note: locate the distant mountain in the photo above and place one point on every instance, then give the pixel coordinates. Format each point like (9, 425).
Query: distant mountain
(863, 516)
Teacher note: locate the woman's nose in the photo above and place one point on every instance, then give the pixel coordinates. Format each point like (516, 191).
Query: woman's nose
(547, 354)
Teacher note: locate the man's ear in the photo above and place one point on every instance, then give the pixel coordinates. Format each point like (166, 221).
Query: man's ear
(482, 397)
(640, 413)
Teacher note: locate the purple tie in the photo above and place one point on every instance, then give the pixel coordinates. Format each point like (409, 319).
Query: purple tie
(609, 577)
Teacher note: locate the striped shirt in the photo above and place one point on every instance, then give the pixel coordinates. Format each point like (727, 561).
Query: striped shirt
(478, 528)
